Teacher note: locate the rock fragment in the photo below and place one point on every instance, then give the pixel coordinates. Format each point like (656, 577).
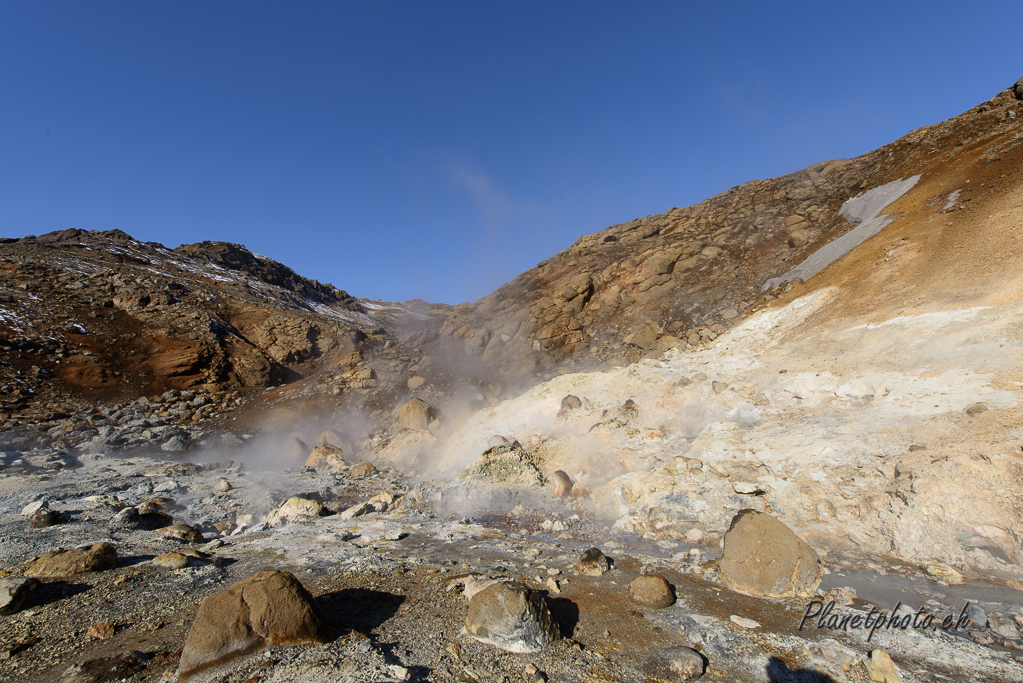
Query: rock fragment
(593, 563)
(571, 402)
(14, 593)
(652, 590)
(60, 562)
(673, 664)
(294, 510)
(182, 532)
(763, 557)
(512, 617)
(561, 484)
(269, 607)
(171, 561)
(327, 456)
(976, 409)
(415, 414)
(999, 625)
(363, 468)
(43, 517)
(939, 571)
(881, 668)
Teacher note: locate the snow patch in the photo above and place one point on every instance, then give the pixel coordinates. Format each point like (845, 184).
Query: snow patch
(863, 211)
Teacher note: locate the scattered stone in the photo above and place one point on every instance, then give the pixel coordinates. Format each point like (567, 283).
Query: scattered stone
(326, 455)
(652, 590)
(174, 445)
(496, 440)
(718, 387)
(269, 607)
(982, 637)
(580, 490)
(357, 510)
(171, 560)
(512, 617)
(182, 532)
(571, 402)
(881, 668)
(674, 664)
(60, 562)
(43, 517)
(223, 486)
(363, 468)
(694, 536)
(294, 510)
(977, 615)
(103, 630)
(999, 625)
(763, 557)
(842, 596)
(976, 409)
(14, 593)
(746, 488)
(593, 563)
(561, 484)
(939, 571)
(416, 382)
(744, 622)
(416, 414)
(34, 507)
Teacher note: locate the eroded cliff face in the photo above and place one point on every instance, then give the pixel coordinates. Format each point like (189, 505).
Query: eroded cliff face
(686, 275)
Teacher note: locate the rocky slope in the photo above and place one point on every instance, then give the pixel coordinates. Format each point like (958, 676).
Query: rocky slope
(689, 273)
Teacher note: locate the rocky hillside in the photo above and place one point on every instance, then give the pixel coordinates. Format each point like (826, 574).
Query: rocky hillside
(91, 318)
(686, 275)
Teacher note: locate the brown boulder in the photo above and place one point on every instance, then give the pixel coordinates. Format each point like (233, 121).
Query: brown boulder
(415, 414)
(269, 607)
(651, 591)
(326, 455)
(363, 468)
(60, 562)
(294, 510)
(763, 557)
(511, 616)
(561, 484)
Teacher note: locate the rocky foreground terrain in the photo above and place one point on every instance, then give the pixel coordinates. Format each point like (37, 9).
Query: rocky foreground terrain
(648, 459)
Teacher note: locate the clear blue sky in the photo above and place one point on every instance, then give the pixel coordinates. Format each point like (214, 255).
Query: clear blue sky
(437, 149)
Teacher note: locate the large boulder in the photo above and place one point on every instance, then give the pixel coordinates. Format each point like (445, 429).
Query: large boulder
(60, 562)
(511, 616)
(294, 510)
(764, 557)
(415, 414)
(326, 456)
(506, 464)
(267, 608)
